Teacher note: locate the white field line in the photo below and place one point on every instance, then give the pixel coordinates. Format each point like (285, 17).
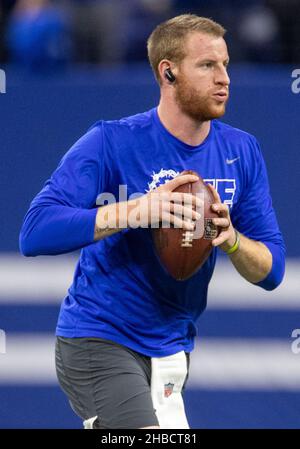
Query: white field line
(215, 364)
(45, 280)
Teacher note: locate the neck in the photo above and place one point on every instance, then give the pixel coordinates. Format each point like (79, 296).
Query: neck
(186, 129)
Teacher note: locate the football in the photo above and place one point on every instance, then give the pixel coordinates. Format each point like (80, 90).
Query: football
(181, 252)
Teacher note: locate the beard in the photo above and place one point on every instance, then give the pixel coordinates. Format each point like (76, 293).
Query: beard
(197, 106)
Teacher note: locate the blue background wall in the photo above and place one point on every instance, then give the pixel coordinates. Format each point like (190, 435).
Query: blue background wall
(40, 118)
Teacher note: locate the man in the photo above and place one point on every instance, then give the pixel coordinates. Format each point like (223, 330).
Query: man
(126, 328)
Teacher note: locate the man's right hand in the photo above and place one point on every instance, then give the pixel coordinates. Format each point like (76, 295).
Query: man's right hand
(162, 206)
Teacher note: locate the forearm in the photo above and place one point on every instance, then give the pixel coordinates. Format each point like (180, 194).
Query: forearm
(112, 218)
(261, 263)
(107, 221)
(252, 260)
(56, 229)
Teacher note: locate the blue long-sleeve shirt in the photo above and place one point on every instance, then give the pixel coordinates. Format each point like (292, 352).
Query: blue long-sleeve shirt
(120, 291)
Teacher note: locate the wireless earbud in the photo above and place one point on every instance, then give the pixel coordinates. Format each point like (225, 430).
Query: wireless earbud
(169, 75)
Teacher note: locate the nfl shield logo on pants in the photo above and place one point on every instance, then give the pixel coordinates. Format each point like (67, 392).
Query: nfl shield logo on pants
(168, 389)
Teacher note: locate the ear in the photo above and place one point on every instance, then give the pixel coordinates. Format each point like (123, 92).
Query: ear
(163, 66)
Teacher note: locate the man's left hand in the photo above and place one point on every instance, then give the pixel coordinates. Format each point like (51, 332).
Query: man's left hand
(227, 237)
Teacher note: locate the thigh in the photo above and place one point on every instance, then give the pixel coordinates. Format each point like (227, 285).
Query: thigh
(104, 379)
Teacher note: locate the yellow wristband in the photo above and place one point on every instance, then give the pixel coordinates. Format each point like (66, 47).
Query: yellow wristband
(235, 247)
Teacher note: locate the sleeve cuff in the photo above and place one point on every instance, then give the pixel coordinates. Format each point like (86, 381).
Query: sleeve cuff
(274, 278)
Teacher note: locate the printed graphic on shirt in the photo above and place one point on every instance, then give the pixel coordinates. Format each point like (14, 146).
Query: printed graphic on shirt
(225, 187)
(162, 177)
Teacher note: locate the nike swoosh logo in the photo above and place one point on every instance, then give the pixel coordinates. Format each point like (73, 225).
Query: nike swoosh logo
(231, 161)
